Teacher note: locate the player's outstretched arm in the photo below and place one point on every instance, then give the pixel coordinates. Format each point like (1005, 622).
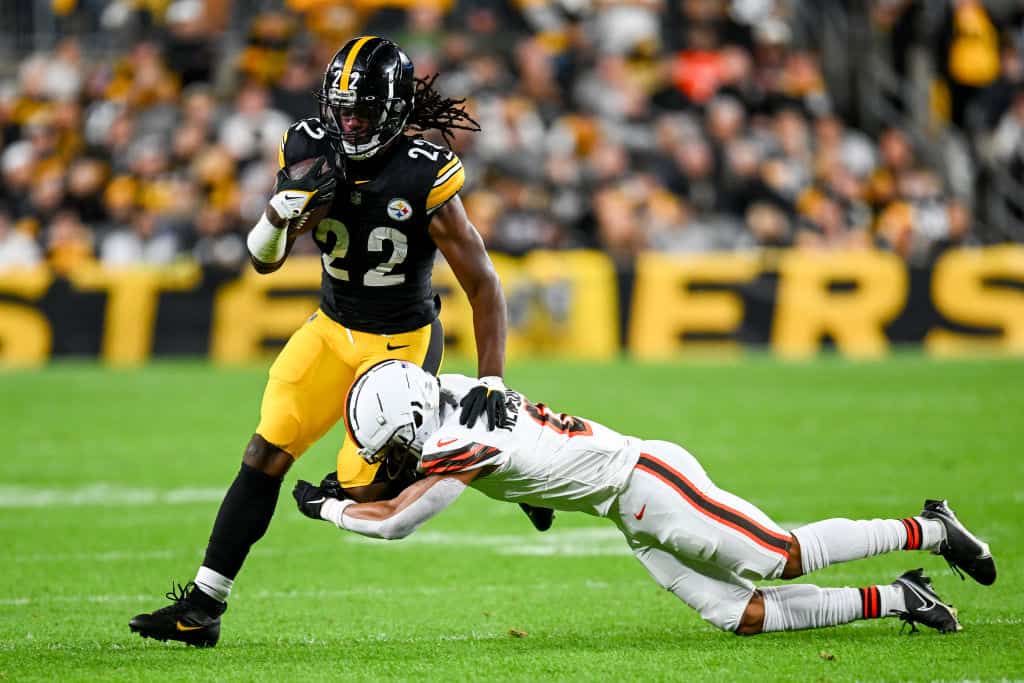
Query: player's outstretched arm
(388, 519)
(464, 250)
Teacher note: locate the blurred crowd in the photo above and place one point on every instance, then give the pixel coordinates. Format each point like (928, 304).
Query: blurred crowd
(673, 125)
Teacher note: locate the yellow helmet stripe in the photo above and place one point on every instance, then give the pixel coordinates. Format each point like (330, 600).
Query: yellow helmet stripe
(346, 72)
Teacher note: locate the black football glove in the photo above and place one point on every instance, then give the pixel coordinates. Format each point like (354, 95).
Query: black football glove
(541, 518)
(331, 487)
(309, 498)
(295, 196)
(486, 398)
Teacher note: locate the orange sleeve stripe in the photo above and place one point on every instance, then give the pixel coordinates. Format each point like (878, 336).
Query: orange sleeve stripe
(457, 452)
(459, 459)
(439, 195)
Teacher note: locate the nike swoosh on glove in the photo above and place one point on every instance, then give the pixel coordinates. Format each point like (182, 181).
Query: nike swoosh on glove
(295, 196)
(309, 498)
(486, 398)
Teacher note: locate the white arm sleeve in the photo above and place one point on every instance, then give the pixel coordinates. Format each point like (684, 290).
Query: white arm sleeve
(436, 498)
(267, 243)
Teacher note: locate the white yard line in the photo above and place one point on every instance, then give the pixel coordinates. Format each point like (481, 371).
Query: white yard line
(360, 591)
(567, 542)
(103, 494)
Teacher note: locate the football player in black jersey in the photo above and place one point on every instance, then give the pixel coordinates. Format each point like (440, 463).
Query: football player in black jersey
(379, 204)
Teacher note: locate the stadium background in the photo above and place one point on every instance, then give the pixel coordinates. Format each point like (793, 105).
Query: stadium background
(656, 177)
(657, 180)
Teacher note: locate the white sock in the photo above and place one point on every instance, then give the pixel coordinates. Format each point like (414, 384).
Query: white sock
(840, 540)
(802, 605)
(214, 584)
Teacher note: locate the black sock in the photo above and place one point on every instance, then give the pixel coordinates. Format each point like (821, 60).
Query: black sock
(211, 606)
(242, 520)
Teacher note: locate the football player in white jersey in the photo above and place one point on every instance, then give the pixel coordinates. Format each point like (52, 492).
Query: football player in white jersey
(705, 545)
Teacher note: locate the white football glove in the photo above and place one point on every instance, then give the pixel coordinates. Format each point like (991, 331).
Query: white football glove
(295, 196)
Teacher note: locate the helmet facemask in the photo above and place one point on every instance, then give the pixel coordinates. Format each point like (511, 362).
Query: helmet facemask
(379, 92)
(381, 123)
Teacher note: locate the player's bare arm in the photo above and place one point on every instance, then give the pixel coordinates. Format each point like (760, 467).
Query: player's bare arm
(388, 519)
(462, 246)
(457, 238)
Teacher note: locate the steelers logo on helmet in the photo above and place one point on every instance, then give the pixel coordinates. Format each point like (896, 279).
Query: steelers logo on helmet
(366, 96)
(399, 209)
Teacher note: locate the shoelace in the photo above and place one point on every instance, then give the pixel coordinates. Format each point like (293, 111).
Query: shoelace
(178, 593)
(956, 569)
(908, 621)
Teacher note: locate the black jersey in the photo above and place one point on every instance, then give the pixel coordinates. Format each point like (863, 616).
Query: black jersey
(377, 252)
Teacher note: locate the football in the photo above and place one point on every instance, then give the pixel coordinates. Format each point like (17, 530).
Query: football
(306, 221)
(300, 168)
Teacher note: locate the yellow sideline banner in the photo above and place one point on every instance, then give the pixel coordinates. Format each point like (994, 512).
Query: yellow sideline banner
(572, 304)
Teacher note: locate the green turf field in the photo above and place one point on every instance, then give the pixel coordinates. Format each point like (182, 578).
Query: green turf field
(109, 482)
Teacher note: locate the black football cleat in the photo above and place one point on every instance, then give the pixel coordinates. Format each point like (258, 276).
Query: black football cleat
(924, 606)
(962, 549)
(183, 620)
(541, 518)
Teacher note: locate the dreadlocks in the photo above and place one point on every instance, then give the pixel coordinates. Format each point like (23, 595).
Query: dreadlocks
(432, 110)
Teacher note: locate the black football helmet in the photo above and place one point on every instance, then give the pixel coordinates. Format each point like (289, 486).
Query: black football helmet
(370, 78)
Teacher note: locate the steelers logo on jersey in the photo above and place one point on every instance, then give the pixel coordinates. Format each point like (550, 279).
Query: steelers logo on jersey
(399, 209)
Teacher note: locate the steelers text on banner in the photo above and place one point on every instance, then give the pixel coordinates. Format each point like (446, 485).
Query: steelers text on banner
(849, 296)
(665, 308)
(25, 334)
(969, 287)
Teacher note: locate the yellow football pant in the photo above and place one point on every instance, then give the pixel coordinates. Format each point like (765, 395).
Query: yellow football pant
(305, 394)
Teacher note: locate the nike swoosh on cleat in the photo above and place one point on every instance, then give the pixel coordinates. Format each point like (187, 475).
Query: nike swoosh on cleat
(181, 627)
(927, 600)
(314, 502)
(640, 515)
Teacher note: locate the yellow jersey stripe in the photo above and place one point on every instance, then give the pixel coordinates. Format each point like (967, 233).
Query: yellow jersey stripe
(439, 195)
(447, 166)
(280, 152)
(346, 71)
(441, 180)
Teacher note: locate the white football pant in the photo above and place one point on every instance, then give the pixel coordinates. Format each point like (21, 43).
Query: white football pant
(703, 544)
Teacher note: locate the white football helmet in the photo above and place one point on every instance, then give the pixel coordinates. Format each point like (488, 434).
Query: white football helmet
(394, 403)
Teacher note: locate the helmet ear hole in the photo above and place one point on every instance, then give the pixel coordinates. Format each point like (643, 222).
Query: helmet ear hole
(417, 418)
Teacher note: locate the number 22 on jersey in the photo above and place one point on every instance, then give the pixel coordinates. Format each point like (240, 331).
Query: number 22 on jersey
(379, 276)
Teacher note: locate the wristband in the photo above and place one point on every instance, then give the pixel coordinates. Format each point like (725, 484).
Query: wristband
(266, 243)
(493, 383)
(333, 510)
